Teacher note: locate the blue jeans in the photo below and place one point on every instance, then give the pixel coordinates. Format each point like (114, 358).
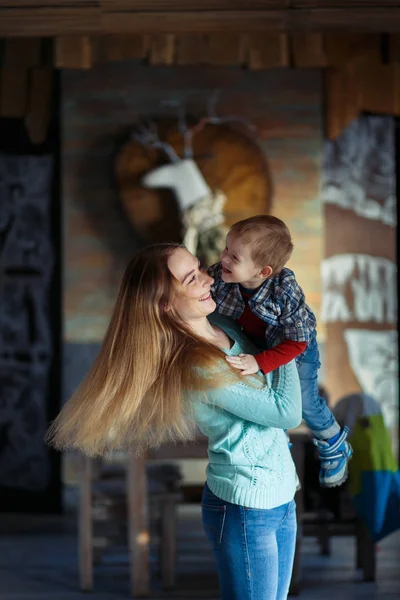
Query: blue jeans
(316, 413)
(253, 548)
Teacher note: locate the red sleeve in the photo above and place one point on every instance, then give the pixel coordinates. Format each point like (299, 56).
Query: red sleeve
(279, 355)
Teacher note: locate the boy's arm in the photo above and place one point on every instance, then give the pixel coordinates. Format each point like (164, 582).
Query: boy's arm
(279, 355)
(296, 320)
(297, 323)
(269, 360)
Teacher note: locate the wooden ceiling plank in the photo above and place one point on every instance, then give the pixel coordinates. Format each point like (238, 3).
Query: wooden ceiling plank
(308, 50)
(153, 17)
(222, 50)
(162, 49)
(376, 82)
(119, 47)
(267, 51)
(192, 5)
(46, 22)
(335, 99)
(189, 49)
(73, 52)
(343, 3)
(342, 47)
(34, 4)
(368, 20)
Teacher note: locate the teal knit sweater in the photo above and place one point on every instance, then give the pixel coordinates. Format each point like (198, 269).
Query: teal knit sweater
(249, 459)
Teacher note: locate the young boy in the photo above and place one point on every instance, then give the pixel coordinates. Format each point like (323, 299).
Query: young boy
(253, 286)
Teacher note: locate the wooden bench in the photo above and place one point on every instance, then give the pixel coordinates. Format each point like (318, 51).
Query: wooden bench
(129, 500)
(140, 505)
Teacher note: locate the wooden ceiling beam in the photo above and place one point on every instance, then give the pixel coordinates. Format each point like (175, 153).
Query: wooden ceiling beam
(289, 20)
(192, 5)
(49, 22)
(89, 18)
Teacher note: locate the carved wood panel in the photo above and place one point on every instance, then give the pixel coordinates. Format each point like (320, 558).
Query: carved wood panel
(26, 265)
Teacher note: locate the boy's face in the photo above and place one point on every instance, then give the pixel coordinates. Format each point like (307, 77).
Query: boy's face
(238, 265)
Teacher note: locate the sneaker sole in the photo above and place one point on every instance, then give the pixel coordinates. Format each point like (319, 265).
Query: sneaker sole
(339, 482)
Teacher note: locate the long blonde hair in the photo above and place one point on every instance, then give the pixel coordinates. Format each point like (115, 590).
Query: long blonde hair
(134, 394)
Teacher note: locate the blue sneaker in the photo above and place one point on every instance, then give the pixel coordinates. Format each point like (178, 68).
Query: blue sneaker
(334, 457)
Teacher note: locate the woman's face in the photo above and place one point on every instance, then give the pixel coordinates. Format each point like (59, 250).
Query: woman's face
(193, 301)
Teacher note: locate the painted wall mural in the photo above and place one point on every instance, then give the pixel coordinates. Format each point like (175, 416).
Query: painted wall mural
(359, 276)
(26, 264)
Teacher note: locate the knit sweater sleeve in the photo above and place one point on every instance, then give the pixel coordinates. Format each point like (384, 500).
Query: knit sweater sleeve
(277, 404)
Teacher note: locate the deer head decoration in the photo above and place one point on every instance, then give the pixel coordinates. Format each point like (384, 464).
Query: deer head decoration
(201, 207)
(224, 180)
(181, 175)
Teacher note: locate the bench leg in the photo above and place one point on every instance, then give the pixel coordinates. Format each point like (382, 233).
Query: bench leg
(366, 553)
(138, 526)
(168, 543)
(85, 526)
(324, 539)
(359, 545)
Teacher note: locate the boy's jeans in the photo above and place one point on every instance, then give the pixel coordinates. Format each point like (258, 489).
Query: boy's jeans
(253, 548)
(316, 413)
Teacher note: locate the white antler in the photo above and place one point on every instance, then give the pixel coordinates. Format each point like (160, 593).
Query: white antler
(146, 134)
(180, 175)
(213, 120)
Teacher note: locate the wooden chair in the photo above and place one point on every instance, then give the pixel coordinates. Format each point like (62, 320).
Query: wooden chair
(138, 499)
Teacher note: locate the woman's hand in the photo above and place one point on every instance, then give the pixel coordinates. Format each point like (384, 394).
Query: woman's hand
(246, 363)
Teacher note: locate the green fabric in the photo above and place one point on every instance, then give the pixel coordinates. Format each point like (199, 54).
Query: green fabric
(373, 451)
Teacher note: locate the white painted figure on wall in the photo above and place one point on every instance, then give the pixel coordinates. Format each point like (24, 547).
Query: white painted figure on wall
(359, 274)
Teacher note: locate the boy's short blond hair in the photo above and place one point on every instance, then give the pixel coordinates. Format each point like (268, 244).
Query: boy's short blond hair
(270, 238)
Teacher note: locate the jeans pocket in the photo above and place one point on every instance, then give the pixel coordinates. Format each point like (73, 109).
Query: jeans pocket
(289, 508)
(274, 516)
(213, 522)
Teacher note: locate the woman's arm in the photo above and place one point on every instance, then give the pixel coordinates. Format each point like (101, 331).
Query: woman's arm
(276, 405)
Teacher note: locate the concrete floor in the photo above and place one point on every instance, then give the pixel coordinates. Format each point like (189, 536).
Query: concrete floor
(38, 561)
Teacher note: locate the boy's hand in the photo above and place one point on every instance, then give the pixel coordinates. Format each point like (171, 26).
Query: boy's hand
(246, 363)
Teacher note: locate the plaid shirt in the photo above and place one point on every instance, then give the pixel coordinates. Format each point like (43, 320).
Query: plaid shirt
(279, 302)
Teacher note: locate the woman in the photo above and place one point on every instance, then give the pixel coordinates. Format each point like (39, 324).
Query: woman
(160, 372)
